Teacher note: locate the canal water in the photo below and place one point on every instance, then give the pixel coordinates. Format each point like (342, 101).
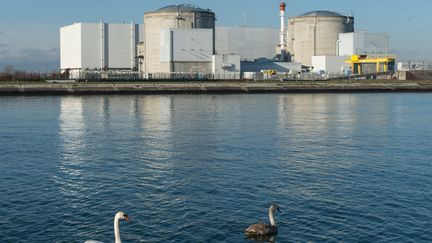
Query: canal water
(201, 168)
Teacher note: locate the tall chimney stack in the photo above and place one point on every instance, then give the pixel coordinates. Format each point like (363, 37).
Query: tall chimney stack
(282, 30)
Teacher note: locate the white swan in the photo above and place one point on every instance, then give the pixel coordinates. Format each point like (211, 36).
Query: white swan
(261, 229)
(117, 218)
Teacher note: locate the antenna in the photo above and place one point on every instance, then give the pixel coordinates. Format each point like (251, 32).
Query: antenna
(102, 9)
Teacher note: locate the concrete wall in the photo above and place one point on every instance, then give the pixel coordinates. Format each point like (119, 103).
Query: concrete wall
(250, 43)
(363, 43)
(192, 67)
(70, 43)
(192, 45)
(186, 50)
(329, 64)
(96, 46)
(226, 66)
(315, 36)
(123, 39)
(214, 87)
(165, 46)
(91, 48)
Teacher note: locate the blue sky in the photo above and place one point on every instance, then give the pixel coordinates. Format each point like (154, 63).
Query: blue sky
(29, 29)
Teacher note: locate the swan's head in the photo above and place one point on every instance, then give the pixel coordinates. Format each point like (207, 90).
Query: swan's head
(121, 215)
(274, 207)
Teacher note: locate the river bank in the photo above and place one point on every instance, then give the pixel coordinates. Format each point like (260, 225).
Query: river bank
(18, 88)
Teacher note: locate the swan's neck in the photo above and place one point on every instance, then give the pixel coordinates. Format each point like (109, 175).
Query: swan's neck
(117, 230)
(271, 217)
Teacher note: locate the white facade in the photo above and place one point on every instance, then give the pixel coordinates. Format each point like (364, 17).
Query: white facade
(186, 45)
(329, 64)
(363, 43)
(226, 66)
(250, 43)
(97, 46)
(70, 47)
(186, 50)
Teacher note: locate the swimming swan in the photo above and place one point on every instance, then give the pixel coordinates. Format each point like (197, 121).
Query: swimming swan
(117, 218)
(261, 229)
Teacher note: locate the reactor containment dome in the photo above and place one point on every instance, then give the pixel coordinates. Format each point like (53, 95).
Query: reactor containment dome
(316, 34)
(182, 21)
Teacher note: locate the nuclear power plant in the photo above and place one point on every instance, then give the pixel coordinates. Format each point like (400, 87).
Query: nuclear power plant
(183, 41)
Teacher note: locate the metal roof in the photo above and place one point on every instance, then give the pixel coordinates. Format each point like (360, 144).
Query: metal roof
(322, 13)
(182, 8)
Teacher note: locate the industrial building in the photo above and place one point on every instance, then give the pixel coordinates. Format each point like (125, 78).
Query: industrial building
(374, 46)
(92, 46)
(315, 34)
(330, 64)
(173, 41)
(361, 64)
(363, 43)
(182, 41)
(249, 42)
(193, 29)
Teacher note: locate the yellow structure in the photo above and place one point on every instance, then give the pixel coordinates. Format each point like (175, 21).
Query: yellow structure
(270, 72)
(361, 64)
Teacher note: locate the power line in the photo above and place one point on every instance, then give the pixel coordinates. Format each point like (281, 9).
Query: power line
(413, 32)
(373, 3)
(391, 13)
(400, 20)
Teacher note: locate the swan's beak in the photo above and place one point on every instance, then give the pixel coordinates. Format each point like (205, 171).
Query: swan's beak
(126, 218)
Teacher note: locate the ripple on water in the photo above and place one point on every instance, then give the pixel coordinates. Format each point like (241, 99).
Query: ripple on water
(342, 167)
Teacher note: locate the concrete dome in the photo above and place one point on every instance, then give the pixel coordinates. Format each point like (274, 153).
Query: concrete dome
(182, 16)
(315, 34)
(182, 8)
(321, 13)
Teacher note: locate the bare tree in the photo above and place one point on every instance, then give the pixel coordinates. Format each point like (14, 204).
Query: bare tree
(8, 72)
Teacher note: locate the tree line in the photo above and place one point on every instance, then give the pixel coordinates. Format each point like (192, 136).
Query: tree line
(10, 74)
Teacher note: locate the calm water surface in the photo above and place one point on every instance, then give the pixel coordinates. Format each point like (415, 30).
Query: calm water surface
(201, 168)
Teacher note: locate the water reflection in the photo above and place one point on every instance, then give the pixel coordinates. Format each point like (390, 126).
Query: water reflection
(190, 114)
(72, 128)
(309, 126)
(153, 117)
(72, 144)
(317, 112)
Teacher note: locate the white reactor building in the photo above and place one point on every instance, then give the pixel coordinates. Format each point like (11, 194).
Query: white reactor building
(99, 46)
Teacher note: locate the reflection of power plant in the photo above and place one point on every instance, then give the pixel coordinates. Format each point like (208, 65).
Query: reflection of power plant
(179, 40)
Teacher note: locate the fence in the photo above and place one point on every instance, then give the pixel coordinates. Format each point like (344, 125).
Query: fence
(28, 76)
(256, 76)
(97, 76)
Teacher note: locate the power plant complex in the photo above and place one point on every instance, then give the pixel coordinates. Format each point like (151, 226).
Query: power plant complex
(183, 41)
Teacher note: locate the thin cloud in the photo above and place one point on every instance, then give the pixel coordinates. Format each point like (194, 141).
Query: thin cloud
(36, 54)
(4, 53)
(35, 59)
